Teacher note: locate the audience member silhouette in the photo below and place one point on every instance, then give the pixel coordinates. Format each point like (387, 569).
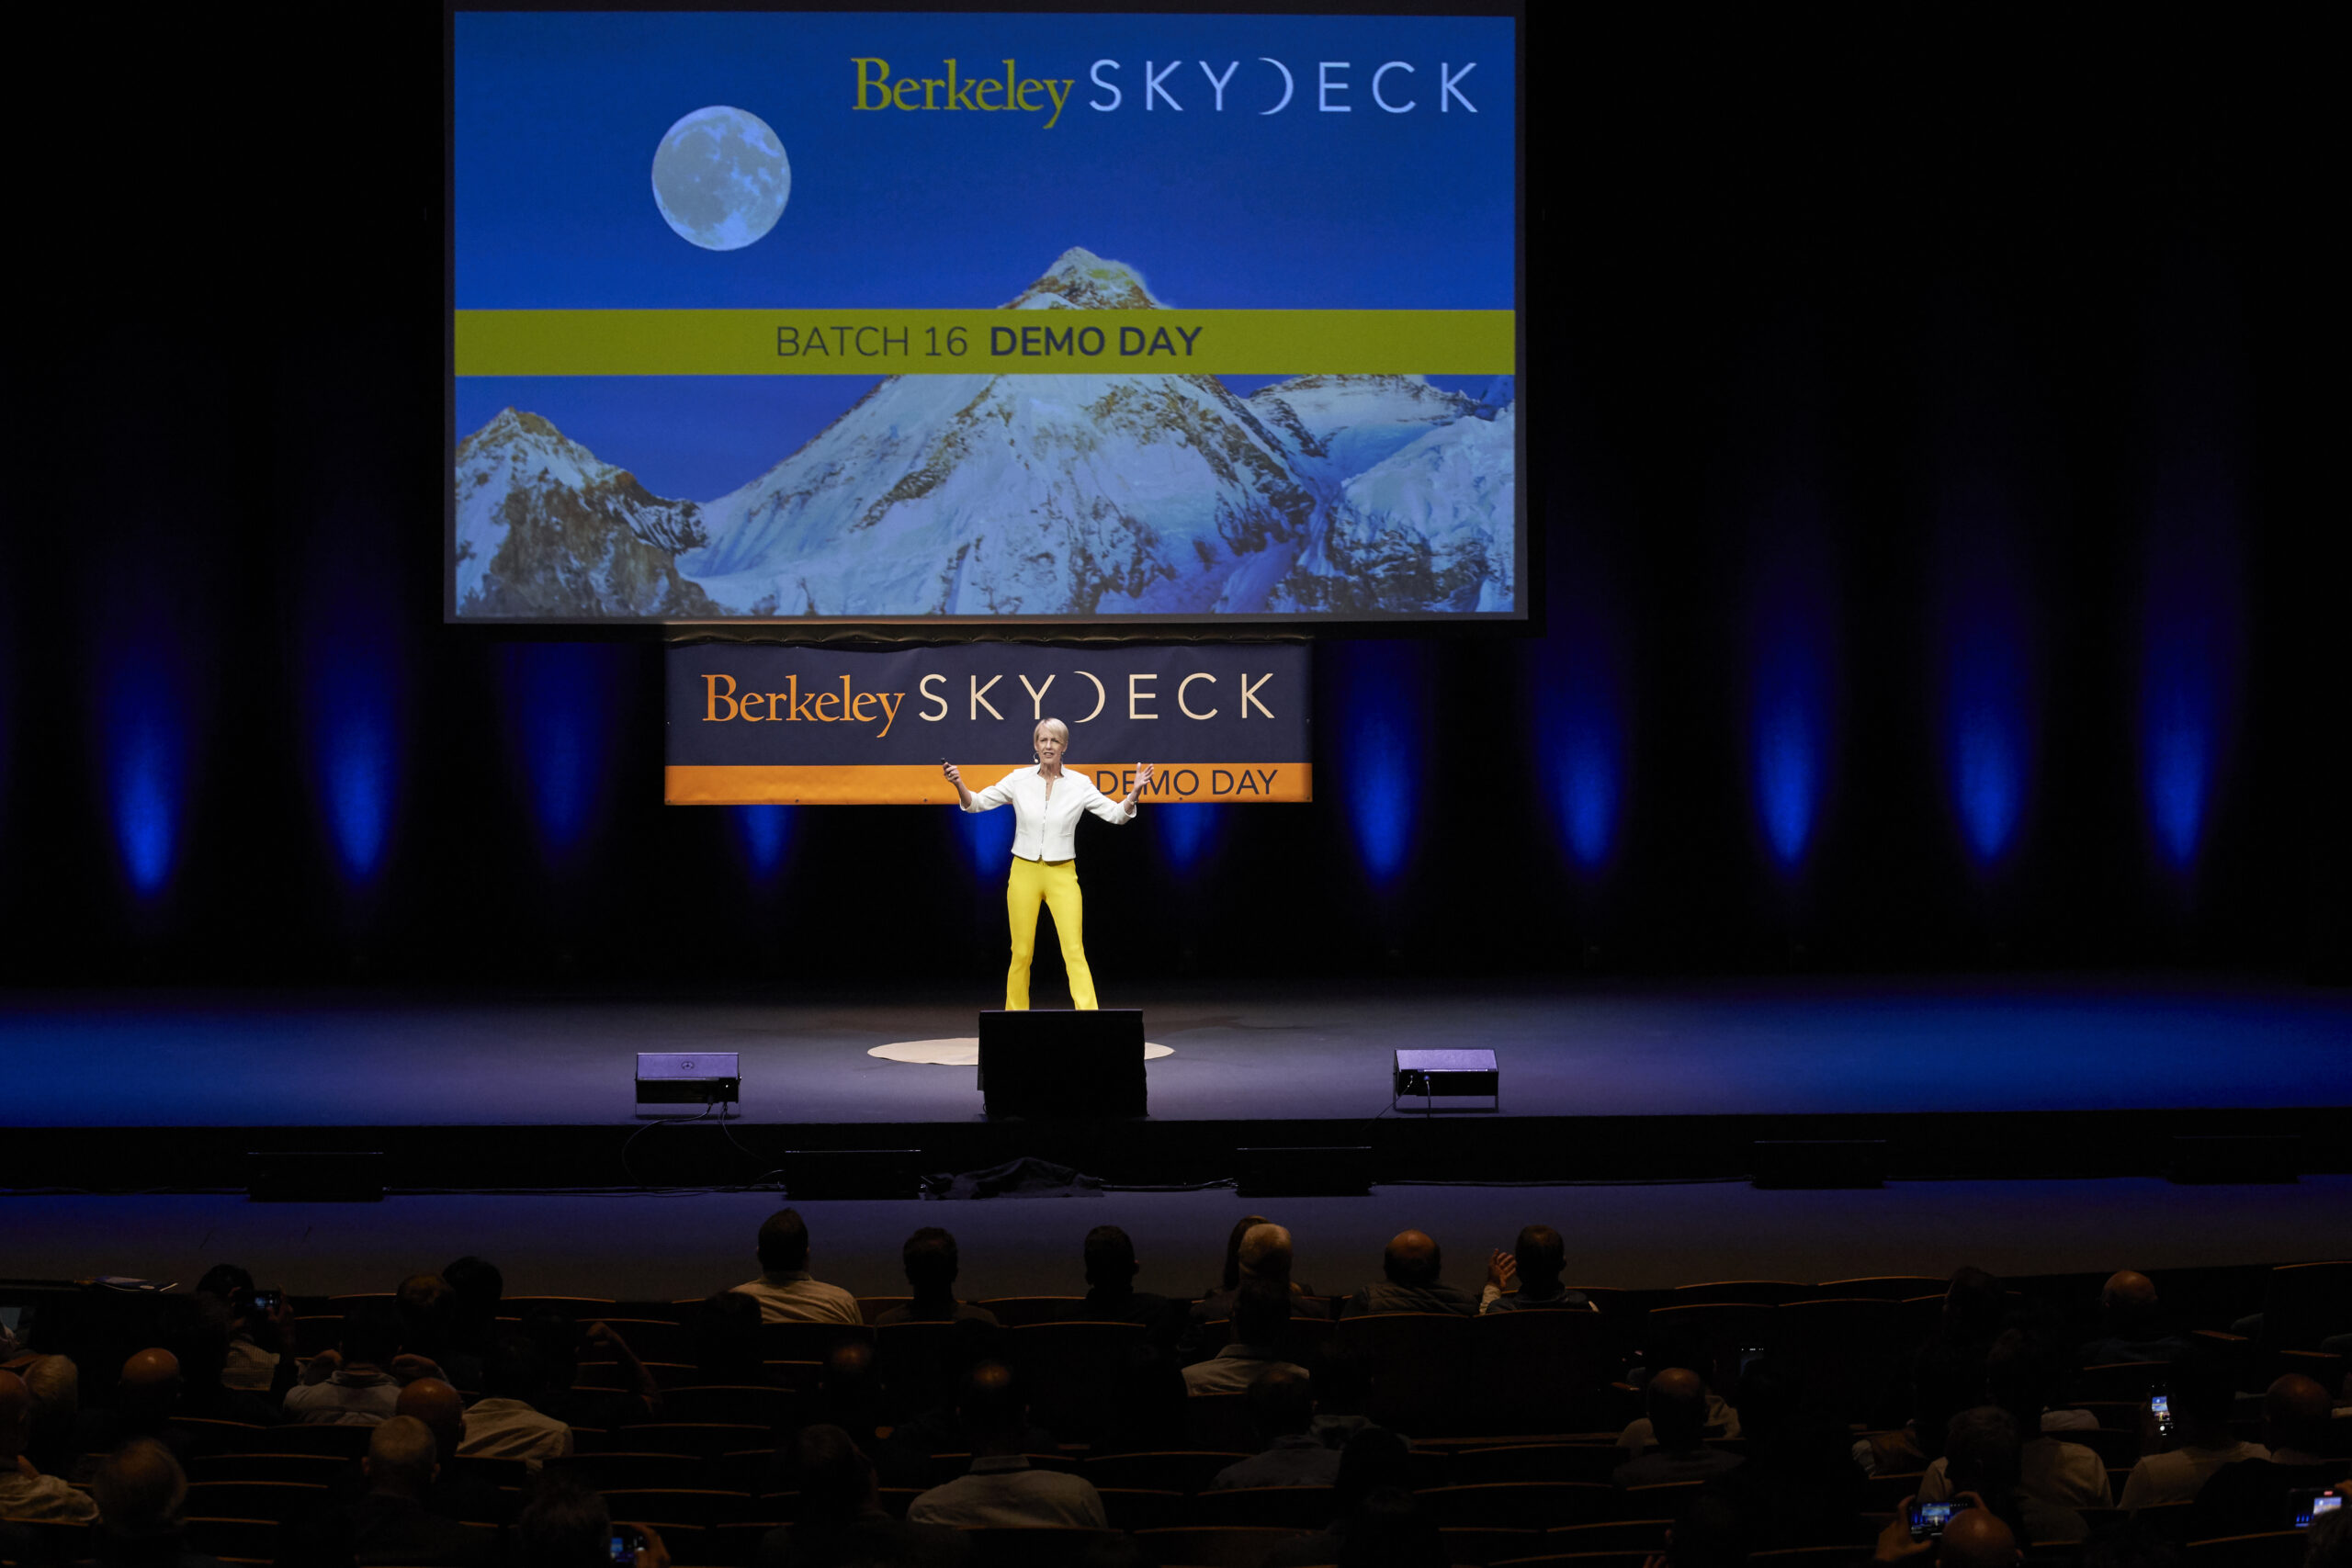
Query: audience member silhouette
(196, 1330)
(2247, 1496)
(1531, 1275)
(257, 1361)
(2022, 1377)
(141, 1496)
(1982, 1453)
(1261, 1324)
(841, 1522)
(1261, 1250)
(1676, 1400)
(1797, 1484)
(507, 1422)
(1410, 1267)
(2201, 1397)
(352, 1385)
(2131, 1324)
(25, 1493)
(931, 1262)
(1342, 1394)
(725, 1328)
(394, 1520)
(559, 1339)
(786, 1291)
(145, 1401)
(1001, 1490)
(1281, 1401)
(563, 1524)
(1979, 1538)
(476, 1290)
(457, 1492)
(1374, 1462)
(1111, 1294)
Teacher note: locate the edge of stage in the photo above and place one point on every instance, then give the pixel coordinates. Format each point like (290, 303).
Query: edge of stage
(2058, 1076)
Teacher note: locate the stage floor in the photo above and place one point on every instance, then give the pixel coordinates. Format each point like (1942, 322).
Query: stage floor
(1598, 1065)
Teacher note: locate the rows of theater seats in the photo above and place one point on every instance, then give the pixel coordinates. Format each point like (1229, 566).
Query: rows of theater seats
(1514, 1417)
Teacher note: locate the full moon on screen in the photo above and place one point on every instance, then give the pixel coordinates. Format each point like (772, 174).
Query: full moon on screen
(721, 178)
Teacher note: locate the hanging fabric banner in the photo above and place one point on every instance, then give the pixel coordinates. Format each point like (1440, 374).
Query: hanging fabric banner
(758, 725)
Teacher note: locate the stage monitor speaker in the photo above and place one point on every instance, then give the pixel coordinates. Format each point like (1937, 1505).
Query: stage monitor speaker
(1344, 1171)
(688, 1077)
(304, 1177)
(1444, 1074)
(1062, 1064)
(820, 1173)
(2258, 1160)
(1802, 1165)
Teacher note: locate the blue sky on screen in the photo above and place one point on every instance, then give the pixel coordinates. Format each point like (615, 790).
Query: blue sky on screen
(558, 117)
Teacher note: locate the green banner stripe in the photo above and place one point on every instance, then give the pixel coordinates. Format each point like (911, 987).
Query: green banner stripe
(865, 342)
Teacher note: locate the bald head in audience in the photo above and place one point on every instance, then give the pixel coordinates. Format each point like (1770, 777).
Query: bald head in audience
(2295, 1416)
(438, 1408)
(1676, 1402)
(139, 1489)
(403, 1457)
(150, 1387)
(1412, 1259)
(989, 1404)
(1977, 1539)
(2129, 1302)
(151, 1370)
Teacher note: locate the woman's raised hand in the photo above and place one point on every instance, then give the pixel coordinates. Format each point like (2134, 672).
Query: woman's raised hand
(949, 771)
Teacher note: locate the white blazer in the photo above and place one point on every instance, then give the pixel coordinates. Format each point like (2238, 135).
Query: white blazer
(1047, 829)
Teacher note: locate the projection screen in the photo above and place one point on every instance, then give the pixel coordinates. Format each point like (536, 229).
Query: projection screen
(1036, 319)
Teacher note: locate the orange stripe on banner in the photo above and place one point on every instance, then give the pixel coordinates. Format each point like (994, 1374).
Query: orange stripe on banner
(921, 783)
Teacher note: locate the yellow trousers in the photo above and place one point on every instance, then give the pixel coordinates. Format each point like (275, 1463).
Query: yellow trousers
(1054, 884)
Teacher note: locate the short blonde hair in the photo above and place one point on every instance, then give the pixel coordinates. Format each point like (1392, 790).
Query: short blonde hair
(1053, 724)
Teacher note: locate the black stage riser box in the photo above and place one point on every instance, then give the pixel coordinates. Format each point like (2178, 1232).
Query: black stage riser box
(1799, 1165)
(302, 1177)
(1067, 1064)
(1339, 1172)
(813, 1175)
(2219, 1160)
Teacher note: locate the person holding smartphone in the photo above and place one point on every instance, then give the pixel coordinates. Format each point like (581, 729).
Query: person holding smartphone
(1047, 802)
(1959, 1533)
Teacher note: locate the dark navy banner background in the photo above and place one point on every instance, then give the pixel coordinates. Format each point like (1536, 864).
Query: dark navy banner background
(752, 723)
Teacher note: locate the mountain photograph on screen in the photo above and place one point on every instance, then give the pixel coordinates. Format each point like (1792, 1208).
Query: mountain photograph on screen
(865, 318)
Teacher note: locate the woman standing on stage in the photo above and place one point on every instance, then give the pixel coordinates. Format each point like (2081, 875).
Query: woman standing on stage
(1046, 802)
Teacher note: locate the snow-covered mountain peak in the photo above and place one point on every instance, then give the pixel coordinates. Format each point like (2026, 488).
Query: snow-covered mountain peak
(1080, 280)
(522, 442)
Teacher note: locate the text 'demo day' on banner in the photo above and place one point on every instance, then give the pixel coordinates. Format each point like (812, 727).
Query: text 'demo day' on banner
(752, 725)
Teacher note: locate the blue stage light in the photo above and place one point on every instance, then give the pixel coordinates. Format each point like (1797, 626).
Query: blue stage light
(1985, 658)
(1381, 724)
(1985, 718)
(2192, 630)
(1580, 737)
(1986, 741)
(763, 832)
(559, 699)
(146, 755)
(1789, 733)
(1187, 834)
(351, 701)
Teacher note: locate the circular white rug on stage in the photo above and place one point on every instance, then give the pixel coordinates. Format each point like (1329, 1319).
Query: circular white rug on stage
(965, 1052)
